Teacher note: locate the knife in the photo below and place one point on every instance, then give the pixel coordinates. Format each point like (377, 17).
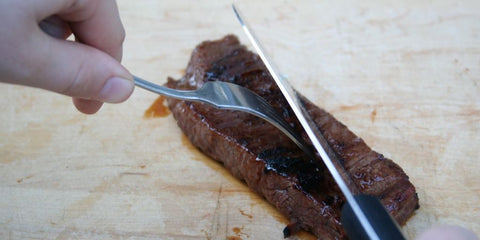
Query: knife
(363, 216)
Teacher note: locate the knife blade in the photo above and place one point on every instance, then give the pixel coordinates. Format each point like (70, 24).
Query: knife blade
(363, 216)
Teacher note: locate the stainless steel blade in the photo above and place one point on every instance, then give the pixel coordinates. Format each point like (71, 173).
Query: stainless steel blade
(318, 141)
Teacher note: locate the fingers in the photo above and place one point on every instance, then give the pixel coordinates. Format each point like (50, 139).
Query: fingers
(446, 233)
(107, 37)
(78, 70)
(97, 24)
(88, 70)
(87, 106)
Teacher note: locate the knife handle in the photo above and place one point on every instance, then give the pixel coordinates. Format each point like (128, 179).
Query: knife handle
(383, 224)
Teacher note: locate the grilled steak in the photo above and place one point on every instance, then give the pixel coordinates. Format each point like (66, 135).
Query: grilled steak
(259, 154)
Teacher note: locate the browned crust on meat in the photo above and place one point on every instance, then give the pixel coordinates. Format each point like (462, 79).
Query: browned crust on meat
(316, 210)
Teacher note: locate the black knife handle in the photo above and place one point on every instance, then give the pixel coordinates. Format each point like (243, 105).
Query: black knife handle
(383, 224)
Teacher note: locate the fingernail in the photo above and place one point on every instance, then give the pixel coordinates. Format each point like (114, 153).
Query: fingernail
(116, 90)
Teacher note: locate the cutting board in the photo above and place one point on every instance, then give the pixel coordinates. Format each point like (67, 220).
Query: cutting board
(405, 76)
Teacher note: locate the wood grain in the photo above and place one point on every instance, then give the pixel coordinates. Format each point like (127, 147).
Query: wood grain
(403, 75)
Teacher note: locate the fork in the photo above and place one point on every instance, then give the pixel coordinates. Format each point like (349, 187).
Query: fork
(224, 95)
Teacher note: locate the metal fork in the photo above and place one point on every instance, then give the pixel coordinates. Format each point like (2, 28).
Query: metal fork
(223, 95)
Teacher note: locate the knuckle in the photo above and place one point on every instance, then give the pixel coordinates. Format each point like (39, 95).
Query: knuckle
(83, 9)
(122, 35)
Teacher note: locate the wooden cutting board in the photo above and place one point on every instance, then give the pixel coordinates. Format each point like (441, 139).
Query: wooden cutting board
(402, 75)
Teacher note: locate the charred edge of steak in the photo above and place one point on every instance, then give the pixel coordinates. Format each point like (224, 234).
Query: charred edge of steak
(309, 174)
(270, 164)
(316, 216)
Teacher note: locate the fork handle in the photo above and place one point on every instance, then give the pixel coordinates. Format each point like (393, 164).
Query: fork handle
(178, 94)
(203, 95)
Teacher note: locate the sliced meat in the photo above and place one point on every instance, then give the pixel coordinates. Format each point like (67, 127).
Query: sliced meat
(273, 166)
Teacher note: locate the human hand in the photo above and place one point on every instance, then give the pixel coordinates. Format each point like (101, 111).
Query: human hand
(35, 53)
(447, 233)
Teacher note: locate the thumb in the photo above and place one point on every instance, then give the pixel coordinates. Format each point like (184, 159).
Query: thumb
(77, 70)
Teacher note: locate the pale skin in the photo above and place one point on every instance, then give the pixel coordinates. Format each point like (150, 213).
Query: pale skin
(35, 52)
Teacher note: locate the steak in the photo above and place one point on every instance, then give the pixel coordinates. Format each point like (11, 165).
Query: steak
(256, 152)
